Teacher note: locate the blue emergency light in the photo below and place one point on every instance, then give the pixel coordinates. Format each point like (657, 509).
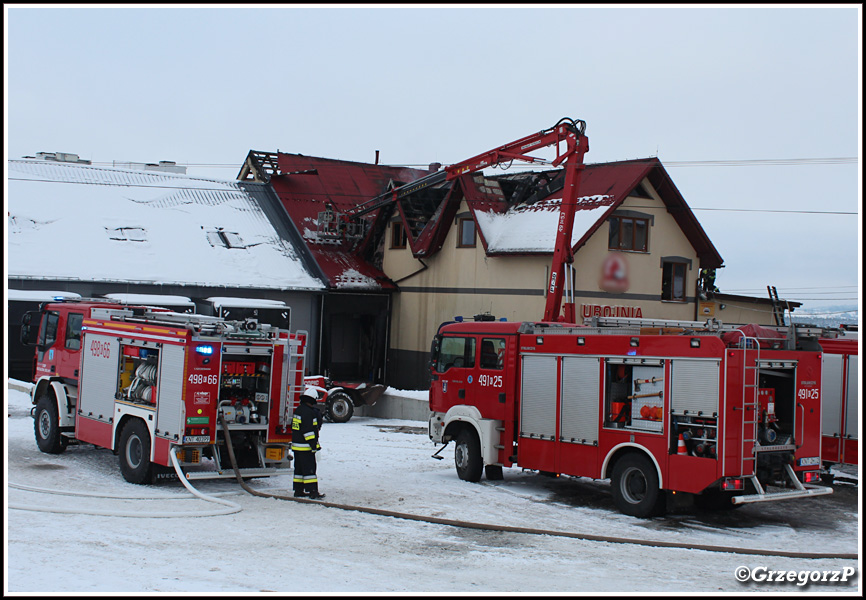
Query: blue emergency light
(206, 350)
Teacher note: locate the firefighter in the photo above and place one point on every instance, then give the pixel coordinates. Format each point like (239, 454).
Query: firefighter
(305, 442)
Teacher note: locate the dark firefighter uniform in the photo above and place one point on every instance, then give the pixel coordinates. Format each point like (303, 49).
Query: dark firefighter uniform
(305, 442)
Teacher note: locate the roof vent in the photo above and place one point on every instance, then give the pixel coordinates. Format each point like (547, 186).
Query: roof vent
(62, 157)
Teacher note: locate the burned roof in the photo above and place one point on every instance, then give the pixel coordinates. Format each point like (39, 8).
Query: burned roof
(313, 190)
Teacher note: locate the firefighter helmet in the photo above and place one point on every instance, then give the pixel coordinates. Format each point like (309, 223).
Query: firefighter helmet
(310, 395)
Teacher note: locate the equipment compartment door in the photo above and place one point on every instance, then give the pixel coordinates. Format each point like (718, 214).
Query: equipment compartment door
(97, 389)
(538, 412)
(170, 404)
(580, 406)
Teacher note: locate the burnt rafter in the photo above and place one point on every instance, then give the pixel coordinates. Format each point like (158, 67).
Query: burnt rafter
(259, 166)
(528, 188)
(419, 208)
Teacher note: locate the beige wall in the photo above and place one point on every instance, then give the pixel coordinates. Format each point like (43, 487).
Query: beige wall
(743, 312)
(643, 268)
(510, 286)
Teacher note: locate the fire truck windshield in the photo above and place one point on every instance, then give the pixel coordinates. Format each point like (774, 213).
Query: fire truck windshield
(454, 352)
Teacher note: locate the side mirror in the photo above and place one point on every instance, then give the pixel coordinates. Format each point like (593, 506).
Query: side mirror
(30, 328)
(434, 353)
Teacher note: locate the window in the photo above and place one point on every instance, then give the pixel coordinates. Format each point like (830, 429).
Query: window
(628, 233)
(48, 332)
(73, 331)
(127, 234)
(455, 352)
(674, 281)
(466, 231)
(398, 235)
(492, 353)
(225, 239)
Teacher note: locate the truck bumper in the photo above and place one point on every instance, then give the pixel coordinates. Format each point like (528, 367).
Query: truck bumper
(801, 490)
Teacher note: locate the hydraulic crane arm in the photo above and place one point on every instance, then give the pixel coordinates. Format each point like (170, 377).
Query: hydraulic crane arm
(569, 131)
(563, 255)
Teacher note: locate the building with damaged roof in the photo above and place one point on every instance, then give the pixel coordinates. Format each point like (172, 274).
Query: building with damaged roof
(486, 249)
(482, 244)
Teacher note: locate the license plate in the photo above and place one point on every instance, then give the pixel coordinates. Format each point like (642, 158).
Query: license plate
(809, 461)
(196, 439)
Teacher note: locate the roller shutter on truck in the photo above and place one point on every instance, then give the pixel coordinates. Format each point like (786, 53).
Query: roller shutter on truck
(695, 386)
(580, 405)
(538, 397)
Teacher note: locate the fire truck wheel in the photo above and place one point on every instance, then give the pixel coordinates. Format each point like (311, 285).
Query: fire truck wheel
(467, 456)
(47, 426)
(134, 450)
(635, 487)
(340, 407)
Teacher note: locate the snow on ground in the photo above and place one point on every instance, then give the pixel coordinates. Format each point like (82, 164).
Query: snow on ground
(271, 545)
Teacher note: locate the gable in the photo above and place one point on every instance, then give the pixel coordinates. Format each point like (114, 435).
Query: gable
(518, 214)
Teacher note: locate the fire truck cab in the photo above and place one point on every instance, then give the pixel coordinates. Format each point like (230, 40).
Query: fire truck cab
(164, 389)
(674, 406)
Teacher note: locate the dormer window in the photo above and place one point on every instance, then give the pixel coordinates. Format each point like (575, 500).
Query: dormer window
(398, 235)
(466, 233)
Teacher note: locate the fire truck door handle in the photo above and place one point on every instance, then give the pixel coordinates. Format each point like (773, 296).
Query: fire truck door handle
(461, 393)
(802, 425)
(502, 398)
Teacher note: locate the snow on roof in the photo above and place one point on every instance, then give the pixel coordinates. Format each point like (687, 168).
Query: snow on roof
(75, 222)
(532, 228)
(246, 302)
(152, 299)
(38, 295)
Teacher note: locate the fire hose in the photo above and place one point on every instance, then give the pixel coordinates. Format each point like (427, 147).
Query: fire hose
(525, 530)
(231, 507)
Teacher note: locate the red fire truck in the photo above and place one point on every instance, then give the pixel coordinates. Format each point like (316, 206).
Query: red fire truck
(730, 416)
(155, 386)
(839, 420)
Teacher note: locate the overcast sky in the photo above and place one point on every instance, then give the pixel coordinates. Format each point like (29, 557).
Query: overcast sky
(735, 86)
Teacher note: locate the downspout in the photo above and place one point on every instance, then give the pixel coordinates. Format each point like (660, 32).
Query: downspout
(321, 331)
(387, 341)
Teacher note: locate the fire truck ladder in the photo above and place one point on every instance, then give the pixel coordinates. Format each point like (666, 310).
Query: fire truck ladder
(295, 376)
(749, 427)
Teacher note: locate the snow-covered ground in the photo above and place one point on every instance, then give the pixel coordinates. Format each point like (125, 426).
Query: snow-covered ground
(166, 543)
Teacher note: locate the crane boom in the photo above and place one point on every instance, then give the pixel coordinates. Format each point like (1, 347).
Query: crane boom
(569, 131)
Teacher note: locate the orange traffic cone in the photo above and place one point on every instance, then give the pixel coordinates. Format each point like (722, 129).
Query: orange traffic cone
(681, 446)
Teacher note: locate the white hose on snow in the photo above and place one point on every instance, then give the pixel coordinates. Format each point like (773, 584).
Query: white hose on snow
(230, 507)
